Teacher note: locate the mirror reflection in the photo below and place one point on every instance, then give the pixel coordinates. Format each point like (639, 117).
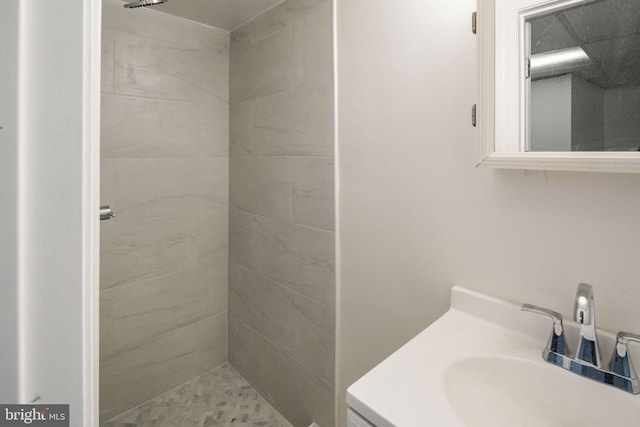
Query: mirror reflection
(583, 77)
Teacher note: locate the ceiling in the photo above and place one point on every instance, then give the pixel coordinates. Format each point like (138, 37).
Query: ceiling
(607, 30)
(223, 14)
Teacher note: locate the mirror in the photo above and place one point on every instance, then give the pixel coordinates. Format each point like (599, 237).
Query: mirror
(583, 69)
(559, 84)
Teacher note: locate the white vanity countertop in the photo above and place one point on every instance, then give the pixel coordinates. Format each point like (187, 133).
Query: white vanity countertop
(414, 387)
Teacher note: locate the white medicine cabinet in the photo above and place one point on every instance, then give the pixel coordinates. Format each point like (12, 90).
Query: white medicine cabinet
(559, 85)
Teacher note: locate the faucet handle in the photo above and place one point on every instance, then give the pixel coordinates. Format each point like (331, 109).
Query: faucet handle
(557, 342)
(620, 362)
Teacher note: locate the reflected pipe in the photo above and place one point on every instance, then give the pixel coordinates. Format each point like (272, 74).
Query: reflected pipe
(558, 61)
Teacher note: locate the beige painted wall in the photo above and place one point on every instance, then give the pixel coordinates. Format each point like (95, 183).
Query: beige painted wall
(415, 216)
(281, 270)
(165, 173)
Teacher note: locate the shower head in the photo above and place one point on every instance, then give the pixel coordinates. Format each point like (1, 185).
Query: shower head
(144, 3)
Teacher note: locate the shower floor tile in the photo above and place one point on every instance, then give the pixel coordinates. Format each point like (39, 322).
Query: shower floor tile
(218, 398)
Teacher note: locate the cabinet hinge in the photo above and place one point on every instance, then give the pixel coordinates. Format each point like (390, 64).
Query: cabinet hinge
(527, 68)
(473, 115)
(474, 17)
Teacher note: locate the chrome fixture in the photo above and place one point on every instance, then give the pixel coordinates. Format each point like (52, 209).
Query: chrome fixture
(106, 213)
(557, 344)
(620, 363)
(587, 360)
(584, 314)
(144, 3)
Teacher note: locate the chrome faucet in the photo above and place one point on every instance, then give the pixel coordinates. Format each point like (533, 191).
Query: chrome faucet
(585, 315)
(587, 360)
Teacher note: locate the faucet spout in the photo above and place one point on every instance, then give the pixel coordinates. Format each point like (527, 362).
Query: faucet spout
(584, 313)
(587, 362)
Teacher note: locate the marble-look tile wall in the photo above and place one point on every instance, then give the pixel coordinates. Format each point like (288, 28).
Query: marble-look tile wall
(165, 171)
(281, 233)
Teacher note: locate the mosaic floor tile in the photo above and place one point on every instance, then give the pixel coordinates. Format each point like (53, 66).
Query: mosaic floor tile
(218, 398)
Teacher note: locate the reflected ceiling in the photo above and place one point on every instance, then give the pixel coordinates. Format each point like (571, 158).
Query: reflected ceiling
(607, 30)
(223, 14)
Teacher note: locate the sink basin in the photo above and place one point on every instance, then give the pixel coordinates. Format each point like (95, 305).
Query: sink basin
(480, 365)
(502, 391)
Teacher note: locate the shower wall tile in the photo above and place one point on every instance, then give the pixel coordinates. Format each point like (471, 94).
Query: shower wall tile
(213, 129)
(106, 326)
(263, 69)
(313, 192)
(160, 69)
(106, 181)
(313, 336)
(214, 275)
(162, 27)
(296, 123)
(241, 303)
(317, 314)
(134, 376)
(144, 127)
(217, 41)
(272, 375)
(240, 235)
(273, 314)
(281, 240)
(285, 14)
(147, 308)
(213, 236)
(165, 172)
(312, 49)
(301, 395)
(241, 39)
(107, 61)
(312, 326)
(134, 250)
(262, 185)
(262, 304)
(241, 122)
(212, 341)
(170, 186)
(301, 258)
(241, 347)
(314, 397)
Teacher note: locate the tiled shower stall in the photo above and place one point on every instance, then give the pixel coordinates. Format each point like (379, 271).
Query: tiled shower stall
(217, 157)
